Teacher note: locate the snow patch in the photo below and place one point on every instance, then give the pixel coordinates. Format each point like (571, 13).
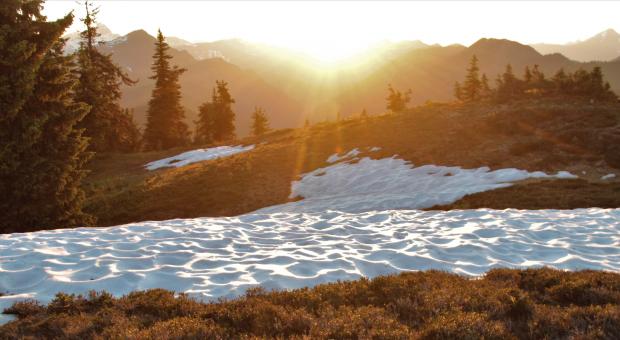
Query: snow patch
(222, 257)
(393, 183)
(565, 175)
(336, 158)
(608, 176)
(198, 155)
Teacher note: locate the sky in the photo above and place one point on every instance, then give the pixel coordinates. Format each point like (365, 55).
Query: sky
(336, 29)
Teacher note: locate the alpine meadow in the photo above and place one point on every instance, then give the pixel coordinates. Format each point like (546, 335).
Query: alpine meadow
(309, 169)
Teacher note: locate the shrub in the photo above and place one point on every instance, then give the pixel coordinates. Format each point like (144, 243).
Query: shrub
(503, 304)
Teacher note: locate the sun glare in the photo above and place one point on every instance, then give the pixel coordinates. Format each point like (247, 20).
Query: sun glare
(331, 51)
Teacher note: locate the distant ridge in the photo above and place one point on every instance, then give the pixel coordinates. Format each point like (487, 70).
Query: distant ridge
(604, 46)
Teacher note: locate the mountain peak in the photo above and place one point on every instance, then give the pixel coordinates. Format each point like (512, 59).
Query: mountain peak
(137, 34)
(608, 34)
(487, 44)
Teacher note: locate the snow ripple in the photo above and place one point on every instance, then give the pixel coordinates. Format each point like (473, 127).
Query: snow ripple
(215, 257)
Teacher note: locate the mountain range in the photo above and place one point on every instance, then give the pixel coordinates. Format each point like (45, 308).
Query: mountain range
(604, 46)
(292, 87)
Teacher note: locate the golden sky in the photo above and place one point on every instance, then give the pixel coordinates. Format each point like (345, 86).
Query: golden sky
(331, 30)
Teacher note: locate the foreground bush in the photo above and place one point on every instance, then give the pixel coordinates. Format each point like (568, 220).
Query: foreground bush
(505, 304)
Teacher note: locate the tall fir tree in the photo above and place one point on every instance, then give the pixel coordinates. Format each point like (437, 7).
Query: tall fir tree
(58, 159)
(108, 126)
(472, 86)
(260, 122)
(41, 155)
(165, 127)
(225, 118)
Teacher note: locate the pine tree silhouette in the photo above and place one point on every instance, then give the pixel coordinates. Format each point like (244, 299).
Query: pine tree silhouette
(42, 154)
(165, 127)
(108, 126)
(260, 122)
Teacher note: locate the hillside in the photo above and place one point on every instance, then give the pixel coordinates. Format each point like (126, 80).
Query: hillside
(546, 136)
(133, 52)
(432, 72)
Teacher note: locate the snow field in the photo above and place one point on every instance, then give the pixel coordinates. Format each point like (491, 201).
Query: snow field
(393, 183)
(222, 257)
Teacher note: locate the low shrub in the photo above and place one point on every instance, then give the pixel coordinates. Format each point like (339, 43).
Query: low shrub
(503, 304)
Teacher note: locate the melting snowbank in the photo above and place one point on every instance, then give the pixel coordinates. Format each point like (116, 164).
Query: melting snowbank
(198, 155)
(213, 257)
(392, 183)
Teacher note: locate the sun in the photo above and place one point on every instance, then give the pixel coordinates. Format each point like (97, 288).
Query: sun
(329, 52)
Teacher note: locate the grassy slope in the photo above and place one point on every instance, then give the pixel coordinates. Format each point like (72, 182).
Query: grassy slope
(505, 304)
(548, 136)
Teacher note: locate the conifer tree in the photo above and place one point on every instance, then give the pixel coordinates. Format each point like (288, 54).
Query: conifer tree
(57, 160)
(205, 125)
(260, 122)
(107, 125)
(537, 75)
(539, 85)
(225, 117)
(458, 91)
(165, 127)
(397, 101)
(485, 89)
(364, 114)
(527, 75)
(472, 86)
(216, 119)
(508, 86)
(41, 155)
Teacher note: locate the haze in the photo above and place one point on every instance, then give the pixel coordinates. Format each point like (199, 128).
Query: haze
(331, 31)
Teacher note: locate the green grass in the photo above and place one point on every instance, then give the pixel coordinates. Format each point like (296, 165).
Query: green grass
(504, 304)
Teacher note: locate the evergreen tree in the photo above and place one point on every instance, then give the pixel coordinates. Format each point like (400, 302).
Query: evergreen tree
(539, 85)
(561, 82)
(538, 77)
(458, 91)
(485, 89)
(364, 114)
(57, 160)
(581, 83)
(41, 155)
(260, 122)
(216, 120)
(527, 75)
(508, 86)
(225, 117)
(205, 125)
(472, 86)
(397, 101)
(107, 125)
(165, 127)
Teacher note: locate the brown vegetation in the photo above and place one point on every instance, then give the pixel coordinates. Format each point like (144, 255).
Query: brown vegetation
(504, 304)
(556, 194)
